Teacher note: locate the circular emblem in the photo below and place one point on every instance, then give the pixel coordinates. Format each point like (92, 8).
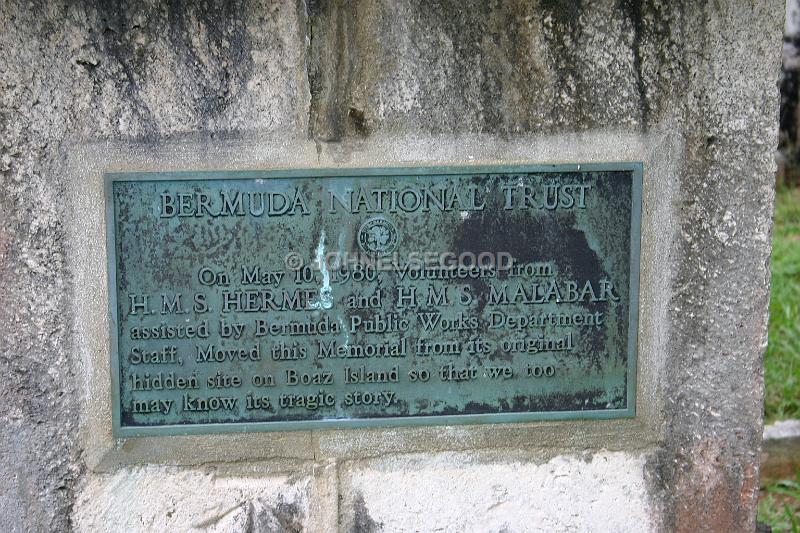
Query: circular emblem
(377, 236)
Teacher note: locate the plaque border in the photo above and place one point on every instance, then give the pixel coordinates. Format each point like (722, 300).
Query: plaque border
(119, 431)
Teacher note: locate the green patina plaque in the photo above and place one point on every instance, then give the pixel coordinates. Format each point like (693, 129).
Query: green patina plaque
(310, 298)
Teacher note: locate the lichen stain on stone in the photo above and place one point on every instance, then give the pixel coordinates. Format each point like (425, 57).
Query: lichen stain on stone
(283, 517)
(489, 67)
(358, 120)
(255, 516)
(329, 70)
(362, 521)
(208, 44)
(633, 9)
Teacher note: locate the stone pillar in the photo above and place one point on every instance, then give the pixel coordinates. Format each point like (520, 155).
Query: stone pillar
(688, 88)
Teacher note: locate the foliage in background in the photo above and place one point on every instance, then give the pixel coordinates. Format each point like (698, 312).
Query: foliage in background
(782, 360)
(780, 507)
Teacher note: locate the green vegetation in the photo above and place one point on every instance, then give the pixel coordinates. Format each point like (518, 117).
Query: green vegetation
(780, 505)
(782, 360)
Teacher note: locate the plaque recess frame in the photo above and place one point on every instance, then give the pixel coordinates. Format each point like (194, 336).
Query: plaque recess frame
(120, 431)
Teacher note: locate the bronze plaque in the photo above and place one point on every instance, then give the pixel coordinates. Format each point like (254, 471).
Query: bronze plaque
(258, 300)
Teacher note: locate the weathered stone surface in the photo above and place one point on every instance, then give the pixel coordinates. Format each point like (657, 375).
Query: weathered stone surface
(169, 499)
(346, 75)
(502, 68)
(73, 71)
(721, 272)
(442, 67)
(457, 492)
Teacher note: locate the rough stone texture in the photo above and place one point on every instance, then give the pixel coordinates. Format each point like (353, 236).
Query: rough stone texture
(721, 273)
(168, 499)
(345, 75)
(458, 493)
(489, 67)
(706, 68)
(73, 71)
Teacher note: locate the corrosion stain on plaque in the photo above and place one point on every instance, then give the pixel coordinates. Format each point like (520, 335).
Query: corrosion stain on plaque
(258, 300)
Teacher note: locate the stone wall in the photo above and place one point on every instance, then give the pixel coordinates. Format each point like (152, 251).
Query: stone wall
(687, 87)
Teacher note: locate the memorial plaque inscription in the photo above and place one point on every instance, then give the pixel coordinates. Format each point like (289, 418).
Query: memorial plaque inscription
(257, 300)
